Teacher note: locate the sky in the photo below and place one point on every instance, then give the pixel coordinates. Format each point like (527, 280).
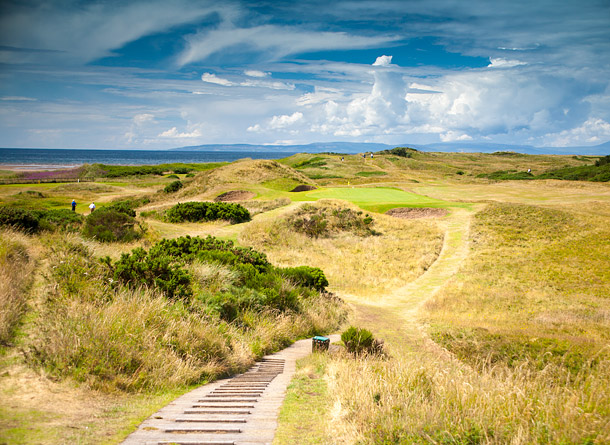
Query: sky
(170, 73)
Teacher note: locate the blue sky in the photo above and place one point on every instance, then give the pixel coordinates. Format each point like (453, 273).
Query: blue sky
(169, 73)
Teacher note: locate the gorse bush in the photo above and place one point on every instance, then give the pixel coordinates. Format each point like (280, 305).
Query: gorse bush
(173, 187)
(319, 221)
(207, 211)
(258, 285)
(183, 312)
(19, 219)
(307, 276)
(359, 340)
(33, 221)
(108, 225)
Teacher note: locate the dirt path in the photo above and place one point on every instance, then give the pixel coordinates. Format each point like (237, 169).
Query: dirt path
(395, 316)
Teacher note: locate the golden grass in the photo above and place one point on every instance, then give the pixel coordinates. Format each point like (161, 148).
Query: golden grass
(418, 398)
(16, 266)
(366, 266)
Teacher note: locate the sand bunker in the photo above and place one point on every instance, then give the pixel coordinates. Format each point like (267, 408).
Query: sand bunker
(303, 188)
(414, 213)
(235, 195)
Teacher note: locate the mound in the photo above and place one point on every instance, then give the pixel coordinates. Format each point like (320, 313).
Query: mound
(303, 188)
(234, 195)
(414, 213)
(253, 172)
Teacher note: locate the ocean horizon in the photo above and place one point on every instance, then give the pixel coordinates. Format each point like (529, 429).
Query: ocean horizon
(28, 158)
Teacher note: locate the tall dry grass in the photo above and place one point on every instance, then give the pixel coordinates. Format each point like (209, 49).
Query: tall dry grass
(419, 399)
(16, 266)
(367, 266)
(139, 340)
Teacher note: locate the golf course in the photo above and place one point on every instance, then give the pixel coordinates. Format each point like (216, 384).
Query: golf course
(481, 282)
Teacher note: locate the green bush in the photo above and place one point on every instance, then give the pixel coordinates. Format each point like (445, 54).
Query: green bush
(173, 187)
(141, 268)
(403, 152)
(322, 221)
(358, 341)
(207, 211)
(172, 177)
(19, 219)
(60, 220)
(182, 170)
(312, 277)
(259, 286)
(108, 225)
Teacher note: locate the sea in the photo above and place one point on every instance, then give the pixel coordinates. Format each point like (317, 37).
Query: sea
(39, 158)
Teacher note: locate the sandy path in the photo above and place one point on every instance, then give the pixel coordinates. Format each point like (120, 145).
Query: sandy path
(395, 316)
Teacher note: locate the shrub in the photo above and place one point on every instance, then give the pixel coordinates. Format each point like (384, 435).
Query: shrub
(190, 175)
(172, 177)
(152, 270)
(403, 152)
(182, 170)
(322, 221)
(59, 220)
(19, 219)
(358, 341)
(207, 211)
(312, 277)
(173, 187)
(109, 225)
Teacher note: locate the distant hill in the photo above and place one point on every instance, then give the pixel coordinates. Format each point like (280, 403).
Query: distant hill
(359, 147)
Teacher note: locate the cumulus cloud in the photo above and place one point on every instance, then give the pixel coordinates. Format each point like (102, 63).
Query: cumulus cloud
(173, 133)
(283, 121)
(593, 130)
(383, 61)
(212, 78)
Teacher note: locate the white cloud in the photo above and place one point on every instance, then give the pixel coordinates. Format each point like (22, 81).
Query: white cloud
(594, 130)
(256, 73)
(142, 118)
(91, 30)
(254, 128)
(212, 78)
(174, 134)
(18, 99)
(273, 41)
(504, 63)
(383, 61)
(267, 84)
(452, 136)
(283, 121)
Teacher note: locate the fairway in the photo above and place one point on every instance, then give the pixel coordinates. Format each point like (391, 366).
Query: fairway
(378, 199)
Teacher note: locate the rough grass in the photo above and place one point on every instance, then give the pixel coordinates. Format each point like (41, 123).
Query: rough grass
(134, 340)
(367, 266)
(16, 265)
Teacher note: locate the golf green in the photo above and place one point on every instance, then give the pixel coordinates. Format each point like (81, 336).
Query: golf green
(378, 199)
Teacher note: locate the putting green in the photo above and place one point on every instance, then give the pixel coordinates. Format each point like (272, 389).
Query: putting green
(378, 199)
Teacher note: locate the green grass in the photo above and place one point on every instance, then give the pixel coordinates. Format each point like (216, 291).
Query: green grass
(378, 199)
(306, 406)
(371, 174)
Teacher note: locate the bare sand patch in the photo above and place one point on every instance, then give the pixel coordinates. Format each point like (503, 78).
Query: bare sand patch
(235, 195)
(415, 213)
